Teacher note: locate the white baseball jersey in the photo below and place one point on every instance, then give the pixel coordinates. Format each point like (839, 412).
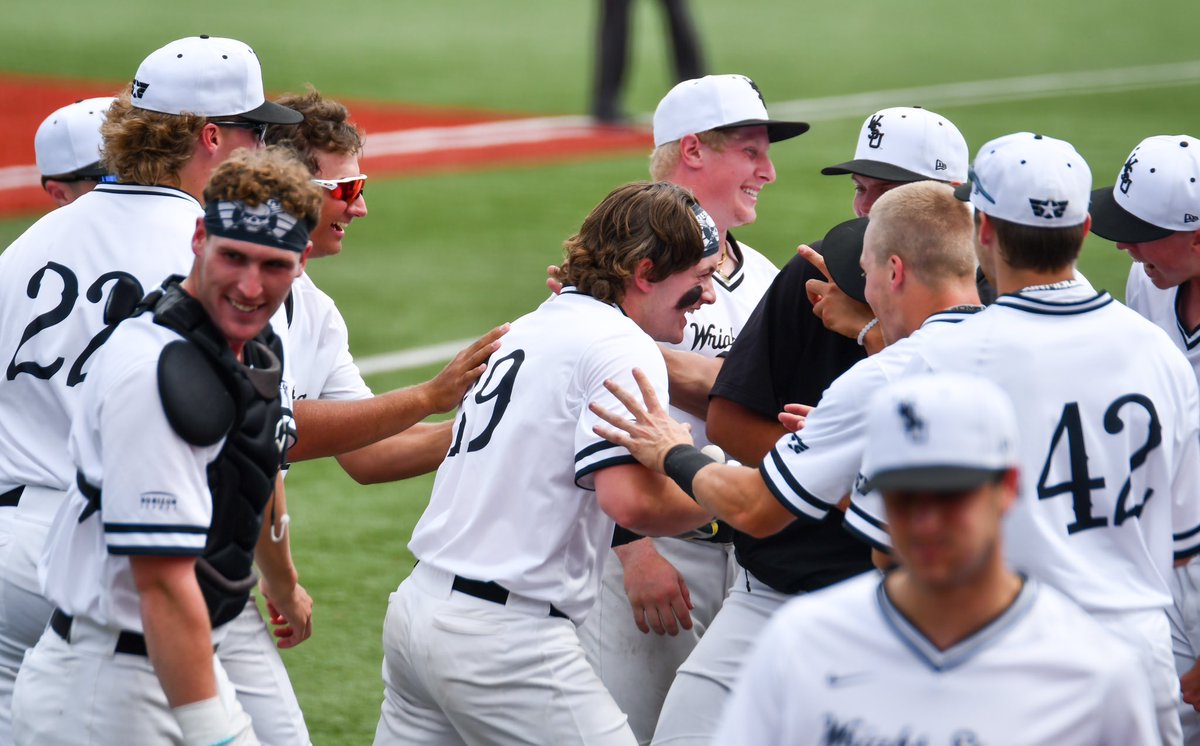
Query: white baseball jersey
(844, 666)
(712, 328)
(513, 502)
(1159, 306)
(155, 486)
(319, 363)
(1110, 442)
(54, 283)
(809, 472)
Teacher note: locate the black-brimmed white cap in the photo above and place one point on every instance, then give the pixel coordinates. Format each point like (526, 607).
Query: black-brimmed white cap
(209, 76)
(940, 432)
(1156, 194)
(67, 142)
(908, 143)
(1031, 180)
(716, 102)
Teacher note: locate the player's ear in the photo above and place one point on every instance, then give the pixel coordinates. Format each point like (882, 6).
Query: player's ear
(304, 258)
(896, 270)
(1010, 487)
(210, 137)
(985, 232)
(57, 192)
(690, 153)
(641, 275)
(199, 236)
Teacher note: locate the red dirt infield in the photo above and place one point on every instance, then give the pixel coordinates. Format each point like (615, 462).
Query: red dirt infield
(400, 139)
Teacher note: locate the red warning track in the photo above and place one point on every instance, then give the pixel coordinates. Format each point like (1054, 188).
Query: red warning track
(401, 140)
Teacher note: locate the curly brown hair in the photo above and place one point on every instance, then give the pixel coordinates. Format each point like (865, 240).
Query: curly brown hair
(326, 128)
(147, 147)
(642, 220)
(254, 176)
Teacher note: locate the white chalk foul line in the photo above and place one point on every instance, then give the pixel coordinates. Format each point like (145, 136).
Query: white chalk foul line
(417, 357)
(540, 129)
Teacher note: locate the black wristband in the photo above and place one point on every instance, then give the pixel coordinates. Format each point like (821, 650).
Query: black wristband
(681, 464)
(623, 536)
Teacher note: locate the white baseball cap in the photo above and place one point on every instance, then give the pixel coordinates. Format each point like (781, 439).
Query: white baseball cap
(1156, 194)
(68, 141)
(908, 143)
(716, 102)
(1030, 179)
(208, 76)
(939, 432)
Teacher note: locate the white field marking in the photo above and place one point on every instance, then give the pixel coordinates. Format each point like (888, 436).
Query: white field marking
(540, 129)
(418, 357)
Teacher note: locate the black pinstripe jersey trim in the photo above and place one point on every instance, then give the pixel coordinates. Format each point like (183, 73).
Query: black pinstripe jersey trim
(865, 538)
(153, 551)
(867, 517)
(1188, 553)
(802, 493)
(144, 191)
(594, 448)
(1184, 535)
(598, 465)
(1054, 308)
(153, 528)
(1191, 338)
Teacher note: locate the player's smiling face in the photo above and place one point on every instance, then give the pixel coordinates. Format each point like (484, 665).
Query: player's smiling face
(669, 301)
(1169, 261)
(730, 182)
(336, 214)
(240, 284)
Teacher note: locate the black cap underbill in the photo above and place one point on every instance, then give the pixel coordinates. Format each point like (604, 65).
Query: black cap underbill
(932, 479)
(272, 113)
(1115, 223)
(776, 130)
(842, 249)
(875, 170)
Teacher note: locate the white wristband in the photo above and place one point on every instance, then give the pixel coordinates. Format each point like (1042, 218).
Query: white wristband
(204, 723)
(862, 336)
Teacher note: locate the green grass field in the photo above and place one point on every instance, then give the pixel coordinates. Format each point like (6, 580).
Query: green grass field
(447, 256)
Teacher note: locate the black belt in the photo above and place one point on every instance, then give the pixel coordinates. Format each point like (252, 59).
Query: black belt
(12, 498)
(494, 592)
(129, 643)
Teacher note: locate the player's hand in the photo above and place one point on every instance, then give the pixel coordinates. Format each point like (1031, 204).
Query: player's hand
(651, 433)
(552, 281)
(1189, 686)
(657, 592)
(837, 311)
(290, 613)
(447, 389)
(793, 416)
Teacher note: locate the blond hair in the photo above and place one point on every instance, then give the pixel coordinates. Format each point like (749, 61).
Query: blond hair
(665, 158)
(929, 228)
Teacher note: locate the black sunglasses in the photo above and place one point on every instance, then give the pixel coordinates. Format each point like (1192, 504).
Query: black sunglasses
(258, 128)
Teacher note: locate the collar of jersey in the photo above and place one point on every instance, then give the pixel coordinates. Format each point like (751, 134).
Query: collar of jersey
(572, 290)
(945, 660)
(1190, 338)
(1046, 304)
(732, 282)
(143, 190)
(952, 315)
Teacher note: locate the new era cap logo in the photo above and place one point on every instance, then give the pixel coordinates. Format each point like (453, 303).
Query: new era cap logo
(1048, 208)
(940, 165)
(1190, 218)
(875, 137)
(139, 88)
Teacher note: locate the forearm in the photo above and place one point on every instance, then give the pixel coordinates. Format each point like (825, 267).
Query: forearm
(741, 432)
(690, 377)
(647, 503)
(418, 450)
(330, 428)
(177, 629)
(738, 496)
(274, 558)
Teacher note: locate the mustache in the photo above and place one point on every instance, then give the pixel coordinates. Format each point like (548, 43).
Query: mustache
(689, 298)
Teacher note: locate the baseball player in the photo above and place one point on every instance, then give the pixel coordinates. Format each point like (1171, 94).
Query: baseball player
(479, 644)
(712, 136)
(1095, 448)
(1153, 212)
(104, 251)
(67, 149)
(954, 647)
(785, 354)
(177, 442)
